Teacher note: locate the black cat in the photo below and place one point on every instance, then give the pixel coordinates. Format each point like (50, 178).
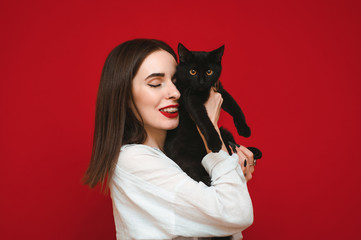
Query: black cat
(196, 74)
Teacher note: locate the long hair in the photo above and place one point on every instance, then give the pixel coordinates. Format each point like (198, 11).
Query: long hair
(115, 122)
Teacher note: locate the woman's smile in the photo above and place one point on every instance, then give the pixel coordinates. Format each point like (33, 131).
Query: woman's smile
(170, 111)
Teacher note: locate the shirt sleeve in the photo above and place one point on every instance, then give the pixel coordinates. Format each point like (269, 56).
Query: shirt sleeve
(180, 206)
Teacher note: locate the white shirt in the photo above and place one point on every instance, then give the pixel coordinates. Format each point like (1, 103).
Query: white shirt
(154, 199)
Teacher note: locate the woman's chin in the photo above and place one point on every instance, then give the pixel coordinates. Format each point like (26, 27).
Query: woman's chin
(173, 125)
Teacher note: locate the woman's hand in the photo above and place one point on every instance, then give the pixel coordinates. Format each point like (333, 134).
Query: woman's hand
(246, 159)
(213, 106)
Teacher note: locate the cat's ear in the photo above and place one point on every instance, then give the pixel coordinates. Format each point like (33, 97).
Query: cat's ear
(183, 52)
(218, 53)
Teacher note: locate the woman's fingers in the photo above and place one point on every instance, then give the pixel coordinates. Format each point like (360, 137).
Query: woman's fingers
(248, 153)
(243, 162)
(246, 161)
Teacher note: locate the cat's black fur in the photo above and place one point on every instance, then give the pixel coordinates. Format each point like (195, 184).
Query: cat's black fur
(184, 144)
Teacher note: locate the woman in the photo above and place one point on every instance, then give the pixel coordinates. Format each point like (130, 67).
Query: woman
(152, 197)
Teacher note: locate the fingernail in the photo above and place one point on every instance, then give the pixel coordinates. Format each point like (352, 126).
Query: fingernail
(245, 163)
(232, 145)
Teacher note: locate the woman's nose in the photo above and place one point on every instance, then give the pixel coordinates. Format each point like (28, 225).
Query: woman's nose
(173, 91)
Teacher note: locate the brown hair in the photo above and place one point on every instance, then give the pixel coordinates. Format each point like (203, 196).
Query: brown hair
(115, 122)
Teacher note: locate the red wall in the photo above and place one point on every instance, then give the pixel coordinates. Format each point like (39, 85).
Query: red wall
(294, 67)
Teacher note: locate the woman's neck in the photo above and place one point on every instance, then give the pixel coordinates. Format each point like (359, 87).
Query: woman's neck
(155, 138)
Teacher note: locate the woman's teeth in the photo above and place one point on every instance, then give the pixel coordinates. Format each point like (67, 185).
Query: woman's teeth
(169, 110)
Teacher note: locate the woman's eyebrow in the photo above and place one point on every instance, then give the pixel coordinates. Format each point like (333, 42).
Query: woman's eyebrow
(155, 75)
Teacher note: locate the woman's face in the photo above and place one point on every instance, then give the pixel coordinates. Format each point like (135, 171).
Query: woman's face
(154, 93)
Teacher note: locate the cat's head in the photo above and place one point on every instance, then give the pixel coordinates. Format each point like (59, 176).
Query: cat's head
(199, 70)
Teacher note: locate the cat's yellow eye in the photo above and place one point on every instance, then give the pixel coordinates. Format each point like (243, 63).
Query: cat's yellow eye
(209, 72)
(193, 72)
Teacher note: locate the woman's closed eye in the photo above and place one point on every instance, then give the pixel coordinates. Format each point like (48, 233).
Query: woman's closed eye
(154, 85)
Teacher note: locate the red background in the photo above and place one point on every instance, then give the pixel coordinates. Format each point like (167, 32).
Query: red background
(294, 67)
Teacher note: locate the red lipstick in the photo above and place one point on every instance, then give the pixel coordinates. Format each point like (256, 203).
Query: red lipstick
(170, 111)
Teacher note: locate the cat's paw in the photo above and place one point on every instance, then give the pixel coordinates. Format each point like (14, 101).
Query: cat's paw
(214, 144)
(257, 154)
(242, 129)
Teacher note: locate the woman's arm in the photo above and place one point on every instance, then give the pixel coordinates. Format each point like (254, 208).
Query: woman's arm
(148, 185)
(213, 107)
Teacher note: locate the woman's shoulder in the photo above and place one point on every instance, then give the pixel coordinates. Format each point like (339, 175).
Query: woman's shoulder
(137, 146)
(141, 163)
(138, 156)
(135, 150)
